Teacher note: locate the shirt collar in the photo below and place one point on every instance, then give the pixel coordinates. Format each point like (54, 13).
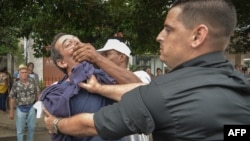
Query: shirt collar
(203, 60)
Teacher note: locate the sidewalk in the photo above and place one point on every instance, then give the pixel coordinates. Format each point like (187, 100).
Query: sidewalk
(8, 127)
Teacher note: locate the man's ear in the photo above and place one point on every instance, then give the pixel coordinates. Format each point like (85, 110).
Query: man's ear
(61, 63)
(199, 35)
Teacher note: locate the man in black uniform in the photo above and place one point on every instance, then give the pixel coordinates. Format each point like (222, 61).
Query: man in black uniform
(200, 95)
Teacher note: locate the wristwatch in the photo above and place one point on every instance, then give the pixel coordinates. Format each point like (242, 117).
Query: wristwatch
(55, 128)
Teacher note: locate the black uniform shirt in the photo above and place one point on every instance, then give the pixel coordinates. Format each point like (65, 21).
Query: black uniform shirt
(192, 102)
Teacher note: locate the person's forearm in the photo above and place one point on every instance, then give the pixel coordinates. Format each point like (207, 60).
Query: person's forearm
(12, 104)
(121, 75)
(78, 125)
(115, 92)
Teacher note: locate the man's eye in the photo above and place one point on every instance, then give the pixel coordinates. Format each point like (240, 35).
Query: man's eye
(67, 44)
(167, 30)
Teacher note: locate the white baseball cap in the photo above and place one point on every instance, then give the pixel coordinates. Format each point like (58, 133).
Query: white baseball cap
(116, 45)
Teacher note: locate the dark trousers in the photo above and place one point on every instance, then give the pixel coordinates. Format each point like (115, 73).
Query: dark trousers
(3, 102)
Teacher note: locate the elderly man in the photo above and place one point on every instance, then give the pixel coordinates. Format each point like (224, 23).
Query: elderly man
(23, 95)
(65, 98)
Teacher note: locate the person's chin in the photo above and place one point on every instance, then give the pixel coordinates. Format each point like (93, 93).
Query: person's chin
(161, 57)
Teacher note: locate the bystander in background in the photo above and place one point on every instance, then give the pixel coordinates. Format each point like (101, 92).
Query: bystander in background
(158, 71)
(23, 95)
(148, 70)
(4, 89)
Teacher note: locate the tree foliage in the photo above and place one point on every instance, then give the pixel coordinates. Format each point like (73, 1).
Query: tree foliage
(240, 42)
(8, 42)
(93, 21)
(8, 32)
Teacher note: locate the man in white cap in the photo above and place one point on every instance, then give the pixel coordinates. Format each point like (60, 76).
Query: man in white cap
(118, 52)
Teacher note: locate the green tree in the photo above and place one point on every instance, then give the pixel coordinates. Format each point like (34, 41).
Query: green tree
(8, 42)
(240, 42)
(96, 20)
(8, 30)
